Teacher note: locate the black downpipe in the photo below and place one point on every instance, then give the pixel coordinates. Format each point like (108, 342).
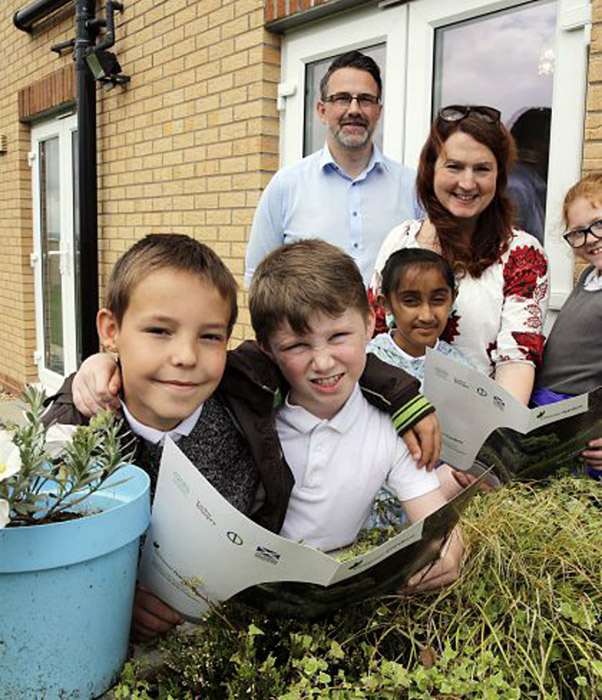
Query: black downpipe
(24, 19)
(88, 200)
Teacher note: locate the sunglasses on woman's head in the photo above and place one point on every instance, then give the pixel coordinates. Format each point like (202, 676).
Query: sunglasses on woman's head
(455, 113)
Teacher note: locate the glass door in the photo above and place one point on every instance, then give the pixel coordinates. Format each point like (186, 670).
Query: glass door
(528, 59)
(53, 156)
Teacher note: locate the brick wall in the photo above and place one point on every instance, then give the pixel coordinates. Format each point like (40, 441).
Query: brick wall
(187, 147)
(24, 59)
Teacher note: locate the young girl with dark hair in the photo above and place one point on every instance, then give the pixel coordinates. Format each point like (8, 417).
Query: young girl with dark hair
(417, 294)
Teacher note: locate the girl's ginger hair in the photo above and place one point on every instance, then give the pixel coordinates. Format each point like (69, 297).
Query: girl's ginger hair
(589, 188)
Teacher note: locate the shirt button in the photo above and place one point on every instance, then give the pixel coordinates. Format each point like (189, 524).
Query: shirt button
(356, 245)
(354, 213)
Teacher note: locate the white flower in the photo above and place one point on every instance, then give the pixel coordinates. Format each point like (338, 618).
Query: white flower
(4, 511)
(10, 457)
(57, 437)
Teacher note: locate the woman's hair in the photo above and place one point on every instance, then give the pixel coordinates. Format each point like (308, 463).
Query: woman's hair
(410, 258)
(494, 227)
(589, 187)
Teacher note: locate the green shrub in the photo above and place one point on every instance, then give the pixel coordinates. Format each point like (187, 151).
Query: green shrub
(523, 621)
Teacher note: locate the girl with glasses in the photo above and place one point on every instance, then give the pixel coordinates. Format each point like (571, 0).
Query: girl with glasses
(502, 272)
(572, 361)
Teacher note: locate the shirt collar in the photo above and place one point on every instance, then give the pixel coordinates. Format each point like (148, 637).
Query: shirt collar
(376, 160)
(158, 436)
(593, 282)
(303, 421)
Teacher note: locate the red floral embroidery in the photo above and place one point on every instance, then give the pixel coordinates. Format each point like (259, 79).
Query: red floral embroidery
(451, 330)
(525, 265)
(530, 344)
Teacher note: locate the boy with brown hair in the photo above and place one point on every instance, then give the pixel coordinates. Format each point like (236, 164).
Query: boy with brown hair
(311, 316)
(169, 312)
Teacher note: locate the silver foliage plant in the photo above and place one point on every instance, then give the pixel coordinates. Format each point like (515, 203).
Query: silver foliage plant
(45, 471)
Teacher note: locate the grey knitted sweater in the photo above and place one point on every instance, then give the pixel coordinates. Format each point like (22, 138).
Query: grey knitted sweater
(218, 450)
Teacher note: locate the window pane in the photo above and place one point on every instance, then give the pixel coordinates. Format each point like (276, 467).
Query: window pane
(50, 219)
(506, 60)
(314, 131)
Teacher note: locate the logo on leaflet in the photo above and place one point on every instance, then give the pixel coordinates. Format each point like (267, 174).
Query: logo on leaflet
(266, 554)
(234, 537)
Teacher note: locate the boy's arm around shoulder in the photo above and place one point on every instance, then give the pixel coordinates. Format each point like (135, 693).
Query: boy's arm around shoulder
(392, 390)
(61, 409)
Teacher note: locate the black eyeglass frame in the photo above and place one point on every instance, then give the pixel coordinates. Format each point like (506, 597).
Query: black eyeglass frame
(344, 99)
(455, 113)
(583, 231)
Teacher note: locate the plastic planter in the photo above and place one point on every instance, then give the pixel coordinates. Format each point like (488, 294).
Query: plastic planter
(66, 595)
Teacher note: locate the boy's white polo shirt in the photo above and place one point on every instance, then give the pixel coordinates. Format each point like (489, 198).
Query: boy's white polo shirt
(339, 465)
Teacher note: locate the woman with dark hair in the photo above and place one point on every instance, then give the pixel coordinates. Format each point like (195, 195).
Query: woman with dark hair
(502, 272)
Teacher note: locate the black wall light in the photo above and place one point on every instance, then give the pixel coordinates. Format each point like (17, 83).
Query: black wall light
(106, 69)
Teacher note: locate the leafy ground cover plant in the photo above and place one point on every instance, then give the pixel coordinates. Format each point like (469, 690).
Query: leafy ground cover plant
(524, 620)
(46, 472)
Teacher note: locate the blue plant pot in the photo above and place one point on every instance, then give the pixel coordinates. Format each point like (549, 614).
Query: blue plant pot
(66, 596)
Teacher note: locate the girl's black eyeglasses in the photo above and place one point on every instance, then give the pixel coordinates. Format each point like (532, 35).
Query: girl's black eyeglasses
(455, 113)
(578, 237)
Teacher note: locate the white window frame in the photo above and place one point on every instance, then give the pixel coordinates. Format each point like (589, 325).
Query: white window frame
(331, 37)
(62, 128)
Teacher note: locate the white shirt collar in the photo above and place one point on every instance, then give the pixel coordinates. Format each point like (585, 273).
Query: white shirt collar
(593, 282)
(304, 422)
(158, 436)
(376, 159)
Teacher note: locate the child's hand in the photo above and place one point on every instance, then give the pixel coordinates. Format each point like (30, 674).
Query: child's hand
(593, 455)
(151, 616)
(442, 572)
(424, 441)
(96, 385)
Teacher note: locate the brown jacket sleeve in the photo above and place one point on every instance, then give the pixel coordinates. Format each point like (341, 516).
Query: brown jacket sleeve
(61, 408)
(392, 390)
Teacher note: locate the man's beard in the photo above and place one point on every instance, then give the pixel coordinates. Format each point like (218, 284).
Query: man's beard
(352, 140)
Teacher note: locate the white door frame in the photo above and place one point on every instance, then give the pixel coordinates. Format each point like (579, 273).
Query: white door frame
(61, 128)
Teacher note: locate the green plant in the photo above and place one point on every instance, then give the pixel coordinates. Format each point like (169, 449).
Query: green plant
(524, 620)
(47, 471)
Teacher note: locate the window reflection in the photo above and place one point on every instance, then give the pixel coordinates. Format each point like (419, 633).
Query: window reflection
(506, 60)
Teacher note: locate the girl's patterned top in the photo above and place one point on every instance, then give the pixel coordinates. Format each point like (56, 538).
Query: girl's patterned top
(497, 318)
(387, 350)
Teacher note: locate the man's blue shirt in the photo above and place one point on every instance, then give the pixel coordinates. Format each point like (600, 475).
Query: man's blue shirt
(315, 198)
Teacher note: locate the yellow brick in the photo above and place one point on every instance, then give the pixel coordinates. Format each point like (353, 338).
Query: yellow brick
(221, 16)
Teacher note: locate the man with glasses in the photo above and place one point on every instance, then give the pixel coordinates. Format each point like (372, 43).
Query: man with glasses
(348, 193)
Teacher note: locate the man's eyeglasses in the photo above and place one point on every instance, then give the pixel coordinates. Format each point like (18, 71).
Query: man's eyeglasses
(344, 100)
(578, 237)
(455, 113)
